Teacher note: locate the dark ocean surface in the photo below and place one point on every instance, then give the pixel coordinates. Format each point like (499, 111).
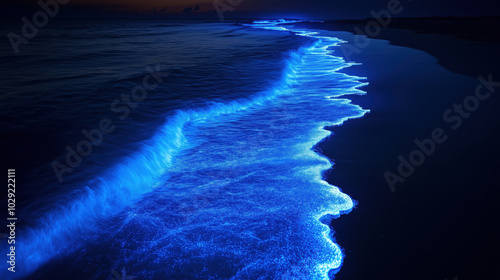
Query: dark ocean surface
(173, 149)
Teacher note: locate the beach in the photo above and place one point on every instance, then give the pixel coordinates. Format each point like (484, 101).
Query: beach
(141, 155)
(440, 223)
(214, 176)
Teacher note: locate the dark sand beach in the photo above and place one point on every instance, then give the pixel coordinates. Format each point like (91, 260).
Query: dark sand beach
(211, 176)
(442, 221)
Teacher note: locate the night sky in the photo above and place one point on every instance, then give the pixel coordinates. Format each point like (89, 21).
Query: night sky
(326, 9)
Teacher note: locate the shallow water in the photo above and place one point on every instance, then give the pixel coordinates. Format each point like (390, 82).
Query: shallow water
(218, 180)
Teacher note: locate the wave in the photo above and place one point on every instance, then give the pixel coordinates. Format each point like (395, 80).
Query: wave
(68, 226)
(136, 175)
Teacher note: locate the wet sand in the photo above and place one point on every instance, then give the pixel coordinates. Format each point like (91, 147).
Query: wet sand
(441, 222)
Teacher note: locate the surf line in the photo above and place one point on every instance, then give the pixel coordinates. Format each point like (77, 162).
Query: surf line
(94, 137)
(324, 218)
(64, 228)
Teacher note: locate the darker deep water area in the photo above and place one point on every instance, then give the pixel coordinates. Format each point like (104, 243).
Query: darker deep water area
(210, 174)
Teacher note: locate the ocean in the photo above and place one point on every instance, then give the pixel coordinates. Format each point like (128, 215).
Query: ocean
(165, 149)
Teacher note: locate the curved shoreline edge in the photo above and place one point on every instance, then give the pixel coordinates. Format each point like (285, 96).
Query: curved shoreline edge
(44, 241)
(325, 218)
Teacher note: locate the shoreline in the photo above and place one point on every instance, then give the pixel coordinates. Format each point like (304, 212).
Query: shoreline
(444, 211)
(455, 42)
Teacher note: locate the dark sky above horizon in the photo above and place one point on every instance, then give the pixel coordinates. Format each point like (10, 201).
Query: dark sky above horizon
(335, 9)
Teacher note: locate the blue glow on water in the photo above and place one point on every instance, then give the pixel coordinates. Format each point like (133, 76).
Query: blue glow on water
(247, 186)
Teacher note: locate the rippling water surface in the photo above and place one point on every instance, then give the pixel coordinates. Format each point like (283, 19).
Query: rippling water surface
(212, 176)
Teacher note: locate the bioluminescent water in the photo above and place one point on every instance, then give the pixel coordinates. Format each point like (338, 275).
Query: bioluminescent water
(213, 177)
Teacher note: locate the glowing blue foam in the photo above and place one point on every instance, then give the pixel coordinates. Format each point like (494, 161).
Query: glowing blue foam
(246, 185)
